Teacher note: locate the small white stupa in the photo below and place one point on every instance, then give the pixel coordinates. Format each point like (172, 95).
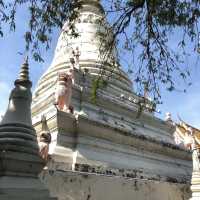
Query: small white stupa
(20, 163)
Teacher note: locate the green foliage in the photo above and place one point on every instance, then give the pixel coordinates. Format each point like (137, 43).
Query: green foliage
(97, 84)
(141, 26)
(143, 29)
(44, 17)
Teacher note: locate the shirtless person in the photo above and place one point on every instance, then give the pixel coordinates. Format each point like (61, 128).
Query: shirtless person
(44, 141)
(68, 96)
(64, 90)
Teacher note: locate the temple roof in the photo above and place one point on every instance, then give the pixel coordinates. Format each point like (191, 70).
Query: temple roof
(185, 131)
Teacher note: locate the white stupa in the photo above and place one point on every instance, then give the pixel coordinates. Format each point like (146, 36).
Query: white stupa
(105, 137)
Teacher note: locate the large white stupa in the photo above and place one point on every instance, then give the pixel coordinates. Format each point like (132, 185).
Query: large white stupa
(103, 150)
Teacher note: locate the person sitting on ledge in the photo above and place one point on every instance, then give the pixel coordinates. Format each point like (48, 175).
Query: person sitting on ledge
(44, 141)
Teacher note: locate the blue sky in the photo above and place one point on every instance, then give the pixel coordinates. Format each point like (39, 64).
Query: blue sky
(187, 105)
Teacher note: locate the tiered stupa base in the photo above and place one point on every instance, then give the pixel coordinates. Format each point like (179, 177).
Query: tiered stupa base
(23, 188)
(19, 180)
(195, 186)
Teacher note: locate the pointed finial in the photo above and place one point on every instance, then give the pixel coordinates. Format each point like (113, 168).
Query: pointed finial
(24, 74)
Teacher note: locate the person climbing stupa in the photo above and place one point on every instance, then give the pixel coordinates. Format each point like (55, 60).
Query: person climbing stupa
(44, 140)
(63, 91)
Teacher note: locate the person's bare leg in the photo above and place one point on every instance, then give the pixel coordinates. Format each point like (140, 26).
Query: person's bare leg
(61, 102)
(68, 100)
(66, 108)
(56, 99)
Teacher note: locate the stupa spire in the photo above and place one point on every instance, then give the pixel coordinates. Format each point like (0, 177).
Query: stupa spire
(90, 26)
(16, 130)
(24, 73)
(18, 110)
(23, 77)
(93, 41)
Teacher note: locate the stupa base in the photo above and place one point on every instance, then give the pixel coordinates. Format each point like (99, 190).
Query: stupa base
(23, 188)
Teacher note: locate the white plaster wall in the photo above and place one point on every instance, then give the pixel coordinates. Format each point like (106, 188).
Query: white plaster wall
(82, 186)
